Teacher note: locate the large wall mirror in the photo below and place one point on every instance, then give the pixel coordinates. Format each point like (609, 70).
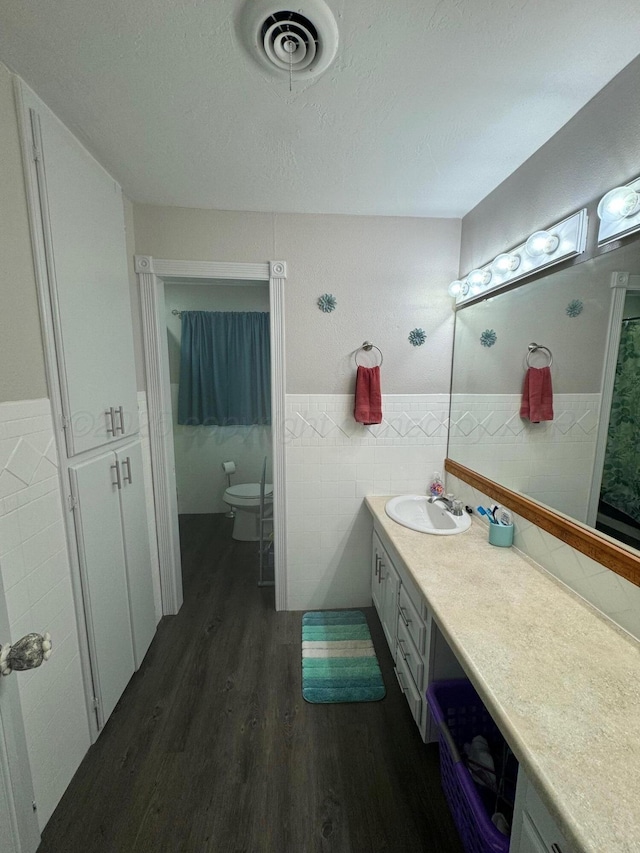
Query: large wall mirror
(585, 463)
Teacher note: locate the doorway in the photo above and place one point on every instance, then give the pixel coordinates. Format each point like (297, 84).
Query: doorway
(157, 278)
(218, 339)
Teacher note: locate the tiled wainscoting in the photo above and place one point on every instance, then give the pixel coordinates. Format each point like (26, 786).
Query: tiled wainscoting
(332, 464)
(36, 575)
(615, 597)
(552, 461)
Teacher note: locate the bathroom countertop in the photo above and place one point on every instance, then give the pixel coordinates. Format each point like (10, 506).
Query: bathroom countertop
(562, 684)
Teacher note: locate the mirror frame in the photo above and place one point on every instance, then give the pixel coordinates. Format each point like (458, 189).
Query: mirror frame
(592, 543)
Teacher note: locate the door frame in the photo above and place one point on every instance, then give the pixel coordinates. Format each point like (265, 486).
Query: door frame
(621, 283)
(152, 273)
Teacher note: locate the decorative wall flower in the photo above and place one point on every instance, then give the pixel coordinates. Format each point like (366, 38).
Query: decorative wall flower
(417, 337)
(574, 308)
(327, 302)
(488, 338)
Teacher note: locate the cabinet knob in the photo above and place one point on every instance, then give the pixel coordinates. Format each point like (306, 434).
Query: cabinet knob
(27, 653)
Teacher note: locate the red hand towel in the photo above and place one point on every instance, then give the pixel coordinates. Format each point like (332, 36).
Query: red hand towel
(537, 395)
(368, 408)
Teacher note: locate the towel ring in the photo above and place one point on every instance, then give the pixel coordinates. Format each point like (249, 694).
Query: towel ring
(535, 348)
(367, 346)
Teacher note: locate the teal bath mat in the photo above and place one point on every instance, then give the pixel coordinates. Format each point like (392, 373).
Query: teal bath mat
(339, 663)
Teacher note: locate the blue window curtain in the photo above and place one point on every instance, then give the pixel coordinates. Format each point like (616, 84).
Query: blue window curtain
(224, 368)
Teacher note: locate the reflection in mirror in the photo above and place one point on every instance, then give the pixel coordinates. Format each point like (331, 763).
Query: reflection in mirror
(564, 462)
(618, 511)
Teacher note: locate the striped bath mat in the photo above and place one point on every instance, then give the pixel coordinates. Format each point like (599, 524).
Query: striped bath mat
(339, 663)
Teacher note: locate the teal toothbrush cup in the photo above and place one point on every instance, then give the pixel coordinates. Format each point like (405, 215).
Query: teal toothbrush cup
(501, 535)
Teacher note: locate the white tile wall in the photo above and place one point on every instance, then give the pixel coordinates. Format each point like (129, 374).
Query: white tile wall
(332, 463)
(551, 462)
(615, 597)
(36, 576)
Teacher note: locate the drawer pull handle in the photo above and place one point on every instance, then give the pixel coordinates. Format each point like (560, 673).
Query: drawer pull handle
(118, 481)
(120, 427)
(404, 653)
(555, 848)
(405, 618)
(111, 421)
(377, 566)
(399, 679)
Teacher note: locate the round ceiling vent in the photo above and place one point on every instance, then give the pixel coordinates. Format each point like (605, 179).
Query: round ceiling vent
(298, 43)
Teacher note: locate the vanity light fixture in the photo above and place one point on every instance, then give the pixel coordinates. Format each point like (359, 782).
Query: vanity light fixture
(541, 243)
(505, 263)
(542, 249)
(478, 279)
(619, 212)
(458, 288)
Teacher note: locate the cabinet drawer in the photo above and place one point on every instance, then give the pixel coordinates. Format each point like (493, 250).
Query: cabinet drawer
(408, 687)
(409, 653)
(412, 620)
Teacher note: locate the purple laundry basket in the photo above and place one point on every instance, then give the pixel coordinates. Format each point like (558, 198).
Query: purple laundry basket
(460, 716)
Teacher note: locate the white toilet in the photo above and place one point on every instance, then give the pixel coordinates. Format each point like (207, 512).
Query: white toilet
(245, 500)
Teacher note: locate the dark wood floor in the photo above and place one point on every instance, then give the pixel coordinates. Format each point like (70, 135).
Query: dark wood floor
(212, 748)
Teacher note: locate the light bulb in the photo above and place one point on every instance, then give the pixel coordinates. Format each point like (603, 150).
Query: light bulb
(541, 243)
(478, 279)
(505, 263)
(618, 204)
(458, 288)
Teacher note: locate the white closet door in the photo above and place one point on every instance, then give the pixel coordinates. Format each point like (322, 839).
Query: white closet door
(83, 221)
(135, 529)
(102, 563)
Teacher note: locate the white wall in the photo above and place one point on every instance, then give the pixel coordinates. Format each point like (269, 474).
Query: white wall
(389, 276)
(595, 151)
(200, 450)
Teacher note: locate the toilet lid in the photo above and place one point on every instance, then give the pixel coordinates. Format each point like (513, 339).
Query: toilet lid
(249, 490)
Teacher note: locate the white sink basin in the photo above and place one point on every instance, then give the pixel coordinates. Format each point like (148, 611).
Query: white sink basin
(415, 512)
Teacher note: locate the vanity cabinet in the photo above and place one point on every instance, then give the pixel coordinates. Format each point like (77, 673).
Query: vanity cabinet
(420, 652)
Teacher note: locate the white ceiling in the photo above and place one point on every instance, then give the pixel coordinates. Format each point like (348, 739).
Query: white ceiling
(427, 107)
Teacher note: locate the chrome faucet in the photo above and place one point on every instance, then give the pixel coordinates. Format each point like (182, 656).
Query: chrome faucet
(454, 506)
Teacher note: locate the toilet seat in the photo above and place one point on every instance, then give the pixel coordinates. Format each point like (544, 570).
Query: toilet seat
(247, 494)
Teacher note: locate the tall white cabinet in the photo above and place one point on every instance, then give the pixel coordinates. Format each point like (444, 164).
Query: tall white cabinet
(79, 237)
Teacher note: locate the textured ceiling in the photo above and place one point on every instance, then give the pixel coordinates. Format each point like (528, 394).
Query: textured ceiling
(426, 108)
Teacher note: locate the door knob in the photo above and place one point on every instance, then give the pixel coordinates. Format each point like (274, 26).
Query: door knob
(26, 653)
